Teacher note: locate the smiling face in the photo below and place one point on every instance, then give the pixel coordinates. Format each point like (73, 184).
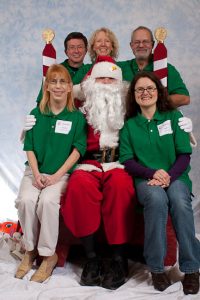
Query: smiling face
(102, 44)
(141, 44)
(76, 52)
(146, 94)
(58, 87)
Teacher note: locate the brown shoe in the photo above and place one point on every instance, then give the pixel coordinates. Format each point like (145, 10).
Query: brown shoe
(46, 268)
(191, 283)
(26, 264)
(160, 281)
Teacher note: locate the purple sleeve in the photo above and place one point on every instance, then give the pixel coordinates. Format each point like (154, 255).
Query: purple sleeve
(179, 166)
(136, 169)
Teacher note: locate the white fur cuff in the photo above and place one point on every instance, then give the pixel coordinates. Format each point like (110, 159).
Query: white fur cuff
(87, 167)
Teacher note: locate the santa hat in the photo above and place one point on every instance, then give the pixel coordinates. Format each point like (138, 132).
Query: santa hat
(106, 69)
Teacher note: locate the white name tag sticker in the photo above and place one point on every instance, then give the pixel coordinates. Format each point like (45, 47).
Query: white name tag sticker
(63, 126)
(165, 128)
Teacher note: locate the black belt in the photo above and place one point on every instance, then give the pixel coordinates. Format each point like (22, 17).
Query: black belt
(103, 156)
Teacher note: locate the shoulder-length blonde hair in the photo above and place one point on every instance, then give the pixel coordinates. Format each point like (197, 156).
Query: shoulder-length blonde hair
(112, 37)
(53, 70)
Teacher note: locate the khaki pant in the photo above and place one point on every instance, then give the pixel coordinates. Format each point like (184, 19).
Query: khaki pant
(38, 212)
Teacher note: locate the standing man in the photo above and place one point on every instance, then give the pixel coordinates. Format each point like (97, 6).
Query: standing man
(142, 43)
(75, 49)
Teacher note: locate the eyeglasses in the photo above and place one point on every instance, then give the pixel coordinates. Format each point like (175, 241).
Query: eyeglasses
(144, 42)
(149, 89)
(79, 47)
(62, 82)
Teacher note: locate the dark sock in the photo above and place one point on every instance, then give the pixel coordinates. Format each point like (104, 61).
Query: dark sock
(88, 243)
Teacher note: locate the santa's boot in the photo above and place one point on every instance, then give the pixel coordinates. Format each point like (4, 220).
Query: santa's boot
(26, 263)
(46, 268)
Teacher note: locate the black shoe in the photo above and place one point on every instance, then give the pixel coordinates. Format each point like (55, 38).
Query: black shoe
(91, 274)
(115, 273)
(191, 283)
(160, 281)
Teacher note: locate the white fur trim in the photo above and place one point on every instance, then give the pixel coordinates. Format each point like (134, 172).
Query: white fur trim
(106, 69)
(105, 166)
(87, 167)
(112, 165)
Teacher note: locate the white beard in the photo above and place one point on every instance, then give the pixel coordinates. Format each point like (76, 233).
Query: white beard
(104, 108)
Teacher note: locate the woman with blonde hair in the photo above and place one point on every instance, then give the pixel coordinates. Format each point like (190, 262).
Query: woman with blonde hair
(53, 146)
(103, 43)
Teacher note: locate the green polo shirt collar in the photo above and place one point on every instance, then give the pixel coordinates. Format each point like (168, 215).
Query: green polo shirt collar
(62, 113)
(157, 116)
(135, 67)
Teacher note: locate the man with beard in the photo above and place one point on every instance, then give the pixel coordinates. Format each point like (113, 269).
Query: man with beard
(100, 192)
(142, 43)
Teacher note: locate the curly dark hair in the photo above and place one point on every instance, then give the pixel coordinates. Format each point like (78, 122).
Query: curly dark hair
(132, 108)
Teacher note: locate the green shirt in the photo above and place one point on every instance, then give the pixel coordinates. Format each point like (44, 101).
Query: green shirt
(53, 138)
(77, 74)
(80, 74)
(155, 143)
(175, 84)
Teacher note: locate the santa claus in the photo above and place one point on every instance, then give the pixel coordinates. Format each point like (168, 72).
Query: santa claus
(100, 191)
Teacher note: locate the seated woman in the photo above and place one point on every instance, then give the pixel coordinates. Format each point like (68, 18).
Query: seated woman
(53, 147)
(157, 153)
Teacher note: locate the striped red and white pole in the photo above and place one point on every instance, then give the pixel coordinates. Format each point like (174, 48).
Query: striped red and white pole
(49, 52)
(160, 56)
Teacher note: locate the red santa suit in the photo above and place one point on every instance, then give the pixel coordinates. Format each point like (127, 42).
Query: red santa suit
(100, 192)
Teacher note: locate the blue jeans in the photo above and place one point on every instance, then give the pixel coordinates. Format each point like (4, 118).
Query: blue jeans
(157, 203)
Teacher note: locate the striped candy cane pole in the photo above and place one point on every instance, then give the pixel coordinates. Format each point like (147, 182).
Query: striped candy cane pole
(48, 58)
(160, 65)
(49, 52)
(160, 55)
(160, 62)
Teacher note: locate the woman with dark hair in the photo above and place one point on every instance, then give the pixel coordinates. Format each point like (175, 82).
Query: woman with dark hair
(157, 152)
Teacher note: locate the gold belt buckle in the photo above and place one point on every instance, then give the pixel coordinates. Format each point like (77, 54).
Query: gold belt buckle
(112, 157)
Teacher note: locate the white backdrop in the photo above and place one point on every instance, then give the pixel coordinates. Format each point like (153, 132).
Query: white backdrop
(21, 25)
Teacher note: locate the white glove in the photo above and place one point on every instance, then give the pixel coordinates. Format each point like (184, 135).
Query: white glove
(30, 121)
(193, 141)
(78, 92)
(185, 124)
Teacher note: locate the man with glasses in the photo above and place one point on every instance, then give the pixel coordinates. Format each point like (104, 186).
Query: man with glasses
(75, 49)
(142, 43)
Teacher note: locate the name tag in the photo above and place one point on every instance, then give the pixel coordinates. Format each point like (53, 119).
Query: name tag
(63, 126)
(165, 128)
